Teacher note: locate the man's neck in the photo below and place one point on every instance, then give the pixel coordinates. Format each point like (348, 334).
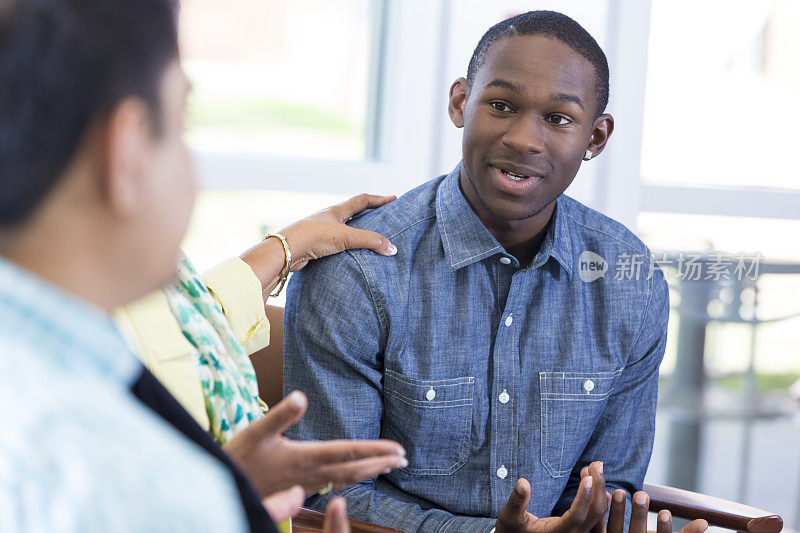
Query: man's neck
(64, 271)
(521, 238)
(71, 254)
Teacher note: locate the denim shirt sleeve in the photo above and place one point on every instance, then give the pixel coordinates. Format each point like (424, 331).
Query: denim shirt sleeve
(623, 438)
(333, 352)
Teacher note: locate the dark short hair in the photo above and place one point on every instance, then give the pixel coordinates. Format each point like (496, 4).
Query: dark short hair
(64, 63)
(556, 26)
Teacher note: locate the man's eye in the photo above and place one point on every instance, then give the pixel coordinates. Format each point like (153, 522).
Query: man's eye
(558, 120)
(500, 106)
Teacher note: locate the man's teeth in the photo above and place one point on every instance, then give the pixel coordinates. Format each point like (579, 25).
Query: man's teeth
(515, 177)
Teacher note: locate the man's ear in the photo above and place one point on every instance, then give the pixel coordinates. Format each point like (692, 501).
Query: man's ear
(602, 128)
(128, 140)
(458, 101)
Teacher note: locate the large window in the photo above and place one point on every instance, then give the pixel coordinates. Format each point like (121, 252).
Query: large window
(279, 76)
(719, 178)
(723, 80)
(300, 104)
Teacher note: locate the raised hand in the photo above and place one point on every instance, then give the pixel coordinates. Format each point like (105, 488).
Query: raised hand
(286, 504)
(639, 509)
(274, 463)
(588, 508)
(336, 517)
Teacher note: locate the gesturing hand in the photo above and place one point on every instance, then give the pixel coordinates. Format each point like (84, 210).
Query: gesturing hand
(588, 508)
(274, 463)
(326, 233)
(639, 509)
(286, 504)
(336, 519)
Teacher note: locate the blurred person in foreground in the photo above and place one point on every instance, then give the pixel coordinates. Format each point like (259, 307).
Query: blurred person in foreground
(95, 196)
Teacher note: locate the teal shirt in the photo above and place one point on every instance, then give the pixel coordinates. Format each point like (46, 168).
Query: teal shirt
(77, 450)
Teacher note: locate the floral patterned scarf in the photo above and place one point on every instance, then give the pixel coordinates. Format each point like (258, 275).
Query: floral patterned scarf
(226, 373)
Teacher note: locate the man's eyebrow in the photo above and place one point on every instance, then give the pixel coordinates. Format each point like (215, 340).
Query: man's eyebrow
(566, 97)
(504, 84)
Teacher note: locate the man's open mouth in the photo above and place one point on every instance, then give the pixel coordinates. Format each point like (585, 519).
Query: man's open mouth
(514, 175)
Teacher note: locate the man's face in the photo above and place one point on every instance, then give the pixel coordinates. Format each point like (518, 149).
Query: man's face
(168, 177)
(528, 120)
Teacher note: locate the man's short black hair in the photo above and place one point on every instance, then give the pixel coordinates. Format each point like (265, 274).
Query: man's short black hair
(64, 63)
(556, 26)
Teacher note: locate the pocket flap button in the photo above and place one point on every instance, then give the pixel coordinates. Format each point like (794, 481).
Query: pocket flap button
(431, 394)
(588, 385)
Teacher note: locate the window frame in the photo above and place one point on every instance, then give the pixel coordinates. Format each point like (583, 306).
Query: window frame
(400, 136)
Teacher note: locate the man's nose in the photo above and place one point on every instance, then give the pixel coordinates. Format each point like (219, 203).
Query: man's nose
(525, 135)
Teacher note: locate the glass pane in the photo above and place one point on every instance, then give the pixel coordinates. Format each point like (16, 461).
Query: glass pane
(728, 344)
(727, 418)
(723, 85)
(287, 77)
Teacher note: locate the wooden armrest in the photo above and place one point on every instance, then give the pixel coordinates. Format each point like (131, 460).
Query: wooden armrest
(309, 520)
(715, 511)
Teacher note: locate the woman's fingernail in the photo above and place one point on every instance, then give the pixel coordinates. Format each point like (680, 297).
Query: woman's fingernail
(600, 466)
(403, 463)
(640, 498)
(619, 496)
(663, 516)
(392, 249)
(587, 483)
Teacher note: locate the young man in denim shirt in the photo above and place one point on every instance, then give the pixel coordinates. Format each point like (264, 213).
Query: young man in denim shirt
(495, 346)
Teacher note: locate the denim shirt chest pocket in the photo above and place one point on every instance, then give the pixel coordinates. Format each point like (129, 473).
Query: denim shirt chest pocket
(431, 419)
(571, 403)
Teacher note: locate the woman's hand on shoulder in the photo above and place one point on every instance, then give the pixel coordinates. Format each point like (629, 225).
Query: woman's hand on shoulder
(327, 233)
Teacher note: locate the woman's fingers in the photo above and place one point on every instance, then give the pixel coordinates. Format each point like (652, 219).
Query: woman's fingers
(358, 238)
(357, 204)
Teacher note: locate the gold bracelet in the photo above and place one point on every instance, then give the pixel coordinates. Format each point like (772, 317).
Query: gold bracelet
(287, 266)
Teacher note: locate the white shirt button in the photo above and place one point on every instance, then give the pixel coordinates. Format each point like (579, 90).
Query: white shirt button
(431, 394)
(502, 472)
(588, 385)
(505, 260)
(504, 397)
(509, 320)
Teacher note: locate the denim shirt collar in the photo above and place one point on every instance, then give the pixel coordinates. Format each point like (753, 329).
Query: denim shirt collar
(466, 240)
